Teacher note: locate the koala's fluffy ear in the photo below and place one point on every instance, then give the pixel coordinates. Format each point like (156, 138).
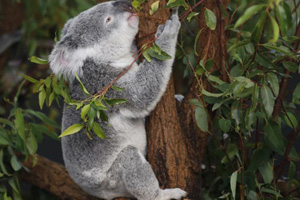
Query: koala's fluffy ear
(66, 58)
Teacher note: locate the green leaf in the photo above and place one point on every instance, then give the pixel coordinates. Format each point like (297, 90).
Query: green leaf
(275, 28)
(44, 118)
(147, 55)
(260, 156)
(270, 191)
(215, 79)
(84, 111)
(232, 150)
(248, 14)
(206, 93)
(31, 144)
(99, 106)
(15, 163)
(281, 15)
(201, 118)
(156, 52)
(290, 118)
(98, 130)
(237, 45)
(55, 86)
(112, 102)
(81, 85)
(4, 139)
(40, 128)
(296, 94)
(292, 67)
(72, 130)
(233, 181)
(91, 115)
(2, 166)
(266, 171)
(5, 197)
(191, 15)
(37, 60)
(267, 99)
(177, 3)
(154, 7)
(42, 97)
(292, 172)
(195, 102)
(14, 184)
(236, 114)
(28, 78)
(210, 19)
(103, 116)
(264, 61)
(6, 121)
(118, 89)
(196, 42)
(20, 125)
(225, 125)
(274, 138)
(280, 49)
(137, 4)
(258, 31)
(274, 83)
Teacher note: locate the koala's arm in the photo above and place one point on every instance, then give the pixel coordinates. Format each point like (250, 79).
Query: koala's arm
(145, 85)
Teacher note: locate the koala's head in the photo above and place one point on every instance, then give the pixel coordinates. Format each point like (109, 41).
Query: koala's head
(104, 33)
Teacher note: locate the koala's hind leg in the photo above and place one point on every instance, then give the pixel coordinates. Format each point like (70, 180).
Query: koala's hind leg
(139, 178)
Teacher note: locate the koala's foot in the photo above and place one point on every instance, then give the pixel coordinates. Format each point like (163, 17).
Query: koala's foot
(168, 194)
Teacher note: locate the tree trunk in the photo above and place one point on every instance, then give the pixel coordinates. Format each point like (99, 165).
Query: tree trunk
(175, 144)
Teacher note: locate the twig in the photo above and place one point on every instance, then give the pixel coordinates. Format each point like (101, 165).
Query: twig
(182, 18)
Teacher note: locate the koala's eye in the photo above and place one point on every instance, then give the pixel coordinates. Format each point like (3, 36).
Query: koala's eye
(108, 19)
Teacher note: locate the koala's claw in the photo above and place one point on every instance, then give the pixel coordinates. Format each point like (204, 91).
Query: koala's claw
(174, 11)
(160, 29)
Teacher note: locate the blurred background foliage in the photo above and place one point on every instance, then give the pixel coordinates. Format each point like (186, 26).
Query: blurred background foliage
(253, 148)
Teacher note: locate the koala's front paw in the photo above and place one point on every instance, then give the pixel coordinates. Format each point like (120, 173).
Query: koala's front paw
(168, 194)
(171, 27)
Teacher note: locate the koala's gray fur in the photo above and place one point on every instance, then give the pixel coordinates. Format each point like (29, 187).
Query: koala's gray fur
(98, 50)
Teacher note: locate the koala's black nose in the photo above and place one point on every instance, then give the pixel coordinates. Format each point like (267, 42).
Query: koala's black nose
(123, 4)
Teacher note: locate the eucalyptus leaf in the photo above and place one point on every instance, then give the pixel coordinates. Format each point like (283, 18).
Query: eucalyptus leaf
(201, 118)
(20, 125)
(233, 182)
(72, 130)
(37, 60)
(154, 7)
(267, 99)
(98, 130)
(81, 85)
(249, 12)
(211, 19)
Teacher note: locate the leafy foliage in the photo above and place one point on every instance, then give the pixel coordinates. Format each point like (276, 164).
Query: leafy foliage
(262, 52)
(20, 132)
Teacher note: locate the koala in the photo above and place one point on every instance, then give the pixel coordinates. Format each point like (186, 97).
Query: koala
(98, 45)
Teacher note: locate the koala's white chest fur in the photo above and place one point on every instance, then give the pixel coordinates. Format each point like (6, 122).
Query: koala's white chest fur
(131, 130)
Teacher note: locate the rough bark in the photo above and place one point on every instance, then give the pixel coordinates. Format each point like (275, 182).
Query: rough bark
(175, 144)
(166, 149)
